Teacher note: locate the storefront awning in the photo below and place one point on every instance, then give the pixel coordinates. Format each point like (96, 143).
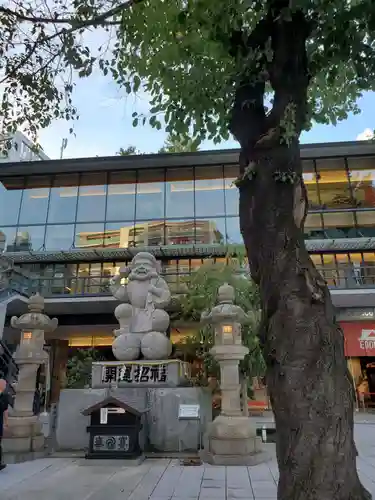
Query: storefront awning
(359, 338)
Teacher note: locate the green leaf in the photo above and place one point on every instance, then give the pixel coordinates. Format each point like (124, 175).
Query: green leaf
(136, 83)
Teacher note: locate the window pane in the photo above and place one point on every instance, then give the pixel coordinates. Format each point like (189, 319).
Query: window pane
(317, 259)
(368, 268)
(368, 258)
(209, 191)
(195, 264)
(7, 239)
(310, 180)
(150, 195)
(339, 225)
(89, 235)
(147, 234)
(35, 200)
(30, 238)
(110, 268)
(170, 274)
(233, 231)
(210, 231)
(121, 196)
(366, 223)
(10, 199)
(334, 184)
(63, 200)
(362, 179)
(313, 227)
(60, 237)
(182, 278)
(81, 284)
(95, 281)
(180, 193)
(117, 234)
(231, 173)
(180, 232)
(91, 198)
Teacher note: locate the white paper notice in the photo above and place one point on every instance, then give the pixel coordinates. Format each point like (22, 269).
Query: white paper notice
(103, 415)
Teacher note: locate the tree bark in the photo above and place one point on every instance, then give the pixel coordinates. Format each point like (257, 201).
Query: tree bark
(307, 376)
(308, 380)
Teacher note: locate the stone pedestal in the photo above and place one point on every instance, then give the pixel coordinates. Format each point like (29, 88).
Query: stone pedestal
(23, 439)
(230, 439)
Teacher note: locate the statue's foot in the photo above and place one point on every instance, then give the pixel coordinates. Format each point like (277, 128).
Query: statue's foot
(127, 347)
(156, 345)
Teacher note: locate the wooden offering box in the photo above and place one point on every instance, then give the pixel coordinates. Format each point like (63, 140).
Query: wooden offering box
(114, 430)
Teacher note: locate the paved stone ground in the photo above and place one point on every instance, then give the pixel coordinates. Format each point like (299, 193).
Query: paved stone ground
(161, 479)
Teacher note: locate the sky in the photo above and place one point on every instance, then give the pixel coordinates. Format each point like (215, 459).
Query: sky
(105, 124)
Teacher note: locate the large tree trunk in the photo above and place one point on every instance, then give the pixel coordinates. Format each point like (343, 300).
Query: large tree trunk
(308, 380)
(309, 384)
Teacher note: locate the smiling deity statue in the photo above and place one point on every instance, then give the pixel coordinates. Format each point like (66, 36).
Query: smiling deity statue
(143, 322)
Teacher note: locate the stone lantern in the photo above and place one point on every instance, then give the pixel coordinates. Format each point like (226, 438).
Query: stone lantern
(24, 433)
(230, 438)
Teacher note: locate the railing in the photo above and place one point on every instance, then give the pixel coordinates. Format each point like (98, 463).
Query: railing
(14, 281)
(93, 285)
(348, 277)
(8, 368)
(336, 278)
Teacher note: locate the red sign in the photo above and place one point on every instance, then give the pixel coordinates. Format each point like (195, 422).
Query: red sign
(359, 338)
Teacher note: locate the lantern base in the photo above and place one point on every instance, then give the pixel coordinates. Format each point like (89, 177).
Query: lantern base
(23, 441)
(233, 441)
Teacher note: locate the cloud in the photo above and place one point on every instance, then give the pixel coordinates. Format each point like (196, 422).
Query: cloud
(367, 134)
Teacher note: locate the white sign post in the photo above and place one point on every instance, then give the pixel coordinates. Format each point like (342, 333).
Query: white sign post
(190, 412)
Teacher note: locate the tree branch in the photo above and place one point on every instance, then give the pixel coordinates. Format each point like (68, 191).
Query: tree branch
(75, 23)
(74, 26)
(288, 71)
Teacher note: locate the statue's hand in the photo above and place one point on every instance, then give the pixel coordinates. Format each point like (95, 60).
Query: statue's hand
(152, 289)
(124, 272)
(115, 280)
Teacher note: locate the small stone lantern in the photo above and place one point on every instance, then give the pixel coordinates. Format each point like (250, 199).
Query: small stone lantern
(24, 434)
(230, 439)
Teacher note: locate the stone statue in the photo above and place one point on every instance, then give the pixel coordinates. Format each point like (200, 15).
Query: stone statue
(143, 322)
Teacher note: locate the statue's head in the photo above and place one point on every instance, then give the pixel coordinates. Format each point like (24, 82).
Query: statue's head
(143, 267)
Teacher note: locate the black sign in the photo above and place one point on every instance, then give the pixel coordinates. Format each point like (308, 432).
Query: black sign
(111, 443)
(135, 373)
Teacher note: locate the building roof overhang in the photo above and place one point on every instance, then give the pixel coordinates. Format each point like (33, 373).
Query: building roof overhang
(179, 251)
(172, 160)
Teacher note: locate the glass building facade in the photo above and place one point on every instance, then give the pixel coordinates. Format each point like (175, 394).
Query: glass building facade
(120, 209)
(180, 206)
(169, 207)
